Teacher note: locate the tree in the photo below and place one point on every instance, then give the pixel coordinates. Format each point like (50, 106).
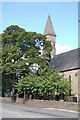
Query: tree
(20, 51)
(25, 57)
(46, 82)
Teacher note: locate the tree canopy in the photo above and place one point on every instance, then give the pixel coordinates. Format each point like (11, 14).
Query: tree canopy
(46, 82)
(25, 57)
(20, 50)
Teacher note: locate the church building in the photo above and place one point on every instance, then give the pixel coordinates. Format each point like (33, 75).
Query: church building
(66, 63)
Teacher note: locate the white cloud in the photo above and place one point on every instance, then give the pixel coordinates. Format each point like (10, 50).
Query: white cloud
(61, 49)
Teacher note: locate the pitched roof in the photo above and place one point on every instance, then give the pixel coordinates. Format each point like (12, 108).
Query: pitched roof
(67, 60)
(49, 29)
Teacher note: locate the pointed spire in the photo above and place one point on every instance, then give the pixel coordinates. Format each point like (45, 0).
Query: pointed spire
(49, 29)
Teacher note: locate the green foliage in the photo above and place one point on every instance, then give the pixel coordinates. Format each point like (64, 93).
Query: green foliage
(19, 52)
(45, 82)
(18, 49)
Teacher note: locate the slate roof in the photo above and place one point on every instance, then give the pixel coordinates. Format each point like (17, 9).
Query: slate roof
(66, 61)
(49, 29)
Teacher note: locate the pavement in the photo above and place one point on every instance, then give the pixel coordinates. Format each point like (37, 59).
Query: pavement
(25, 111)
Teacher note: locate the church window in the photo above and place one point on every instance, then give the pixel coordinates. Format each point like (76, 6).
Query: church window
(70, 83)
(54, 45)
(69, 77)
(76, 74)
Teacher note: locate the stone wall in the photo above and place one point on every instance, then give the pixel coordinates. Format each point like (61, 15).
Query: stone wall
(44, 103)
(74, 80)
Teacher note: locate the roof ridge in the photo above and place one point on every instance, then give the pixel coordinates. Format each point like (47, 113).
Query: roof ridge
(68, 51)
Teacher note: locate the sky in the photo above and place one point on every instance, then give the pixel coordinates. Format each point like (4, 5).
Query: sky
(32, 16)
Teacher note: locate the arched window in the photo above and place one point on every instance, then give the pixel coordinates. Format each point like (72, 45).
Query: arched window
(76, 74)
(70, 82)
(69, 77)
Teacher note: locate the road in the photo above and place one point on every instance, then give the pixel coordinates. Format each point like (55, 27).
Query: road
(25, 111)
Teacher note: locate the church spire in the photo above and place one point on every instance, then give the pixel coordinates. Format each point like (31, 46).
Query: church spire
(49, 29)
(50, 35)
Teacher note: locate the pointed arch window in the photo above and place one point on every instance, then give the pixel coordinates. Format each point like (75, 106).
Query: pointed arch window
(70, 83)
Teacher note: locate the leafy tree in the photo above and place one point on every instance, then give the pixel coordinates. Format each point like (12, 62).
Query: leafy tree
(46, 82)
(25, 57)
(20, 50)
